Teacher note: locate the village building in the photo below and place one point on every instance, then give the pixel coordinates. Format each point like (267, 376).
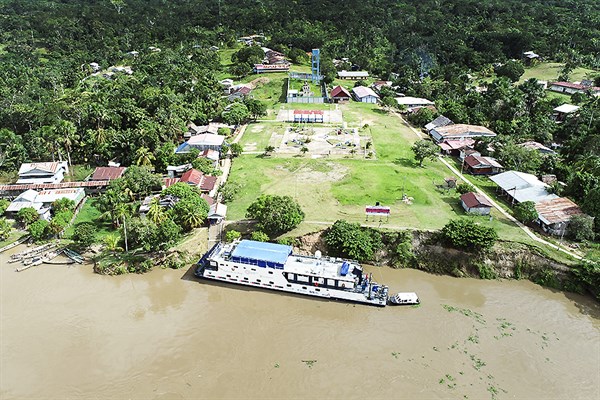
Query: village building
(107, 173)
(193, 130)
(562, 112)
(201, 142)
(413, 102)
(217, 213)
(265, 68)
(47, 172)
(570, 88)
(378, 85)
(466, 152)
(519, 187)
(364, 94)
(532, 145)
(554, 215)
(315, 116)
(530, 58)
(438, 123)
(175, 171)
(42, 201)
(340, 94)
(458, 131)
(227, 85)
(196, 178)
(211, 155)
(453, 147)
(475, 203)
(353, 75)
(26, 200)
(239, 93)
(95, 66)
(479, 165)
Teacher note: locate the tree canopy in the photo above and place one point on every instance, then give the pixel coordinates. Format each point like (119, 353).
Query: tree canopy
(275, 214)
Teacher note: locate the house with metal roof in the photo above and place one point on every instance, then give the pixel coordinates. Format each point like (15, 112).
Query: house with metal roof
(479, 165)
(339, 93)
(354, 75)
(217, 213)
(458, 131)
(554, 215)
(196, 178)
(532, 145)
(27, 200)
(563, 111)
(364, 94)
(201, 142)
(413, 102)
(571, 87)
(475, 203)
(107, 173)
(519, 187)
(47, 172)
(438, 123)
(453, 147)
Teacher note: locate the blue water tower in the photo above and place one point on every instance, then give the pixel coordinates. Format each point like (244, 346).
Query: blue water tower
(316, 65)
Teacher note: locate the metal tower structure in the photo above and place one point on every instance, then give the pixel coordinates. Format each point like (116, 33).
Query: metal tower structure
(316, 65)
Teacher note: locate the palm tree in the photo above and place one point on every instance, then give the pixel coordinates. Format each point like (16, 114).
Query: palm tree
(156, 213)
(193, 219)
(111, 242)
(144, 157)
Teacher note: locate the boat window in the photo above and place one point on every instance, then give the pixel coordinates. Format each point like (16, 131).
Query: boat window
(288, 285)
(272, 283)
(245, 278)
(304, 287)
(271, 272)
(318, 290)
(258, 280)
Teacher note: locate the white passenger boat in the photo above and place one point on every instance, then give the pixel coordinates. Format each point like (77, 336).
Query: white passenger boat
(404, 299)
(273, 266)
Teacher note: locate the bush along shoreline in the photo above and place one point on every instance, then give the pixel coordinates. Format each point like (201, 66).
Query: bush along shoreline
(446, 252)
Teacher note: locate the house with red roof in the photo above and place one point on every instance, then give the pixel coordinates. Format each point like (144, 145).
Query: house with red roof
(554, 214)
(196, 178)
(570, 88)
(453, 147)
(479, 165)
(475, 203)
(340, 94)
(107, 173)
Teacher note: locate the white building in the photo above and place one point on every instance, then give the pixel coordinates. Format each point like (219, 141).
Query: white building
(412, 102)
(459, 131)
(202, 142)
(48, 172)
(364, 94)
(354, 75)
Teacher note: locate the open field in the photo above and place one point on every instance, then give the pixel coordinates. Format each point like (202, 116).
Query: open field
(548, 71)
(89, 213)
(331, 189)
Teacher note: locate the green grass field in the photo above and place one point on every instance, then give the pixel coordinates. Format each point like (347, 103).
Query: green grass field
(549, 71)
(89, 213)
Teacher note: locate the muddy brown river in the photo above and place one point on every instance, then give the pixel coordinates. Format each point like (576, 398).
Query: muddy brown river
(66, 333)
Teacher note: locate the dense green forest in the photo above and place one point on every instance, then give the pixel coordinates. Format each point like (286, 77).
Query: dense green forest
(51, 103)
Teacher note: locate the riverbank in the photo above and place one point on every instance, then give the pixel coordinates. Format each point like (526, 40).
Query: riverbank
(424, 251)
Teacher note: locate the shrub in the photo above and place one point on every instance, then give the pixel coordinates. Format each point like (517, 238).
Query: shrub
(27, 216)
(63, 204)
(581, 227)
(351, 240)
(228, 191)
(5, 229)
(260, 236)
(3, 206)
(232, 235)
(84, 234)
(525, 212)
(466, 234)
(275, 214)
(463, 188)
(38, 230)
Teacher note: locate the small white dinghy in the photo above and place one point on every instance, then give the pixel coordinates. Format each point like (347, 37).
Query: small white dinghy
(407, 298)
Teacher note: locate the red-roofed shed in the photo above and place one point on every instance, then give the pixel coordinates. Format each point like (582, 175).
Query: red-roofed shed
(108, 173)
(475, 203)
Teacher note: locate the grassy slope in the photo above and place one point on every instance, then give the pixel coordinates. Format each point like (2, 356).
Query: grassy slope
(89, 213)
(549, 71)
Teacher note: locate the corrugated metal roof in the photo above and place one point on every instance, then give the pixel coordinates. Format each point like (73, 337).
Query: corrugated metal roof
(207, 139)
(340, 91)
(473, 200)
(45, 186)
(557, 210)
(269, 252)
(523, 187)
(108, 173)
(363, 91)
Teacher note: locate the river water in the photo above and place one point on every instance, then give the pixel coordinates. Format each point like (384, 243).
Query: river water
(66, 333)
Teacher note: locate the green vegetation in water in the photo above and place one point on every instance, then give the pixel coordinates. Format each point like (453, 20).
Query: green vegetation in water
(466, 312)
(309, 363)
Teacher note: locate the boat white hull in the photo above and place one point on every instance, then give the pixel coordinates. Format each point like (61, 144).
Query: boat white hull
(279, 283)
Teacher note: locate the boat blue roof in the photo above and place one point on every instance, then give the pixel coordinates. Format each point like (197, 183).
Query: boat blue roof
(270, 252)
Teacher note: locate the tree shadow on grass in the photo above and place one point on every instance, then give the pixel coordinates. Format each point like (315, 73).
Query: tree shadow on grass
(380, 111)
(454, 203)
(283, 96)
(406, 162)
